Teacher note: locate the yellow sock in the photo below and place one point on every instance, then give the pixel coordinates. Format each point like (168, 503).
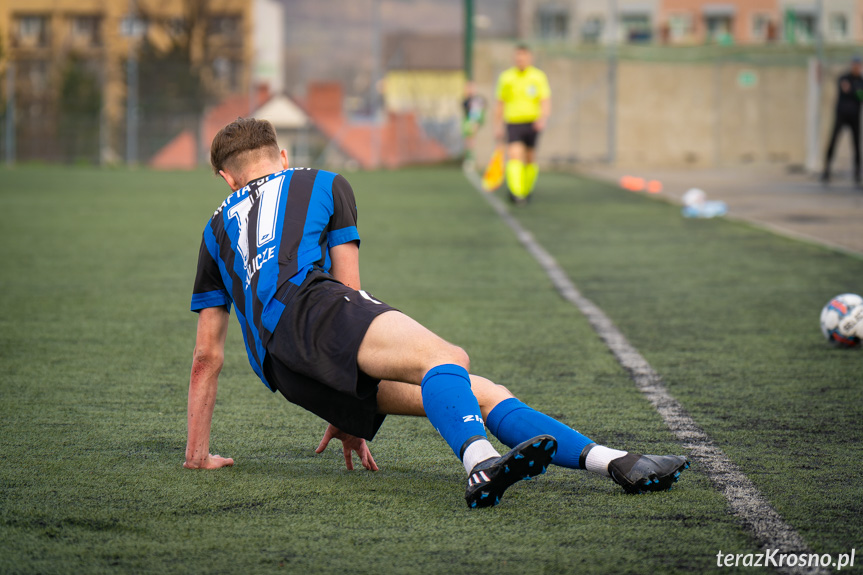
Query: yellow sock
(515, 178)
(531, 172)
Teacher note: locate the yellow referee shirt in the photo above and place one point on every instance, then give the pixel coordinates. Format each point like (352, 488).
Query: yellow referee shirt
(521, 92)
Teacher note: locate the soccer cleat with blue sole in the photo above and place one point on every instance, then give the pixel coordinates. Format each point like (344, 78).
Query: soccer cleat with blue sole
(490, 478)
(643, 473)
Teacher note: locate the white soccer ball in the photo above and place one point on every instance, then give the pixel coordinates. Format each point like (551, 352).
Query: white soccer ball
(694, 197)
(842, 320)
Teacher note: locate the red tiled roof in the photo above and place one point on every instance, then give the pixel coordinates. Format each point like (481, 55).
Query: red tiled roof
(399, 141)
(179, 153)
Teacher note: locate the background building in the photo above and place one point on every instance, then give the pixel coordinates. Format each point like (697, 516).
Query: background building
(688, 22)
(138, 80)
(82, 71)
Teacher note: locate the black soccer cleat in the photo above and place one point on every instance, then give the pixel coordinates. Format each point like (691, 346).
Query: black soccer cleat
(642, 473)
(517, 201)
(490, 478)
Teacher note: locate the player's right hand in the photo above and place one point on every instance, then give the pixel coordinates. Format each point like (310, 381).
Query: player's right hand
(498, 133)
(350, 444)
(209, 462)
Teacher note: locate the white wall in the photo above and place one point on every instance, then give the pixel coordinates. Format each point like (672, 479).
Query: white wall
(269, 43)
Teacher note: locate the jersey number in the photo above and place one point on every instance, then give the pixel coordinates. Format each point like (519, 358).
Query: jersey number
(270, 192)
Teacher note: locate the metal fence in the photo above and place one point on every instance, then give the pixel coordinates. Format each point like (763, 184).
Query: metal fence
(653, 106)
(61, 116)
(65, 118)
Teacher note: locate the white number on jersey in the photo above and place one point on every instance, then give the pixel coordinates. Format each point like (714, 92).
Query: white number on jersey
(269, 194)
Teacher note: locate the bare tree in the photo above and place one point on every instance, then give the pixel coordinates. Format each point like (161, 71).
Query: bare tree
(172, 67)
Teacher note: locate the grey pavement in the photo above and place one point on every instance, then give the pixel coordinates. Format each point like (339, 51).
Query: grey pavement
(792, 204)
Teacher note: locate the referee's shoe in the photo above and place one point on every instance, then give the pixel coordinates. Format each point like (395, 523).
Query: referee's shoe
(490, 478)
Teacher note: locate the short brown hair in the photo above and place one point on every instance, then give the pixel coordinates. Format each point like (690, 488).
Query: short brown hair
(240, 137)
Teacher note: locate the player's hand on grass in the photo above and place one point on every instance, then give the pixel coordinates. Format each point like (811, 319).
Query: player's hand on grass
(350, 444)
(209, 462)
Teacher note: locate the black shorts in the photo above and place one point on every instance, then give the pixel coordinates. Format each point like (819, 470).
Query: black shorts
(312, 356)
(524, 133)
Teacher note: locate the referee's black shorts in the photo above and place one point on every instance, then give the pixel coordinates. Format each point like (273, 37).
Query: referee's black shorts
(525, 133)
(312, 356)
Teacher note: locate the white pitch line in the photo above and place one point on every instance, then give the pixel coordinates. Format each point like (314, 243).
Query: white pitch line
(753, 509)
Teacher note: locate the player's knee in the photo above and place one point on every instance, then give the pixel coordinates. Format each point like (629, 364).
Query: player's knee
(444, 353)
(462, 357)
(497, 391)
(455, 355)
(488, 393)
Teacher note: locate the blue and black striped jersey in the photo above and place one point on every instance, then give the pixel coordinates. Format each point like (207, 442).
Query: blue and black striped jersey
(265, 237)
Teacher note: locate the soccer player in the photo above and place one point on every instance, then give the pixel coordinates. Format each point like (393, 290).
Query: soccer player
(847, 114)
(522, 110)
(283, 249)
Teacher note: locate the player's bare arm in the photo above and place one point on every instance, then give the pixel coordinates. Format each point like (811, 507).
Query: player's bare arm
(545, 113)
(498, 120)
(346, 264)
(204, 381)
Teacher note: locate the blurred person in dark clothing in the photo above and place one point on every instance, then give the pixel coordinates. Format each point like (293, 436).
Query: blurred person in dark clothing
(850, 95)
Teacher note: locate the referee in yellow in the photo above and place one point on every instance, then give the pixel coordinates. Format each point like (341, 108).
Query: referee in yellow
(523, 107)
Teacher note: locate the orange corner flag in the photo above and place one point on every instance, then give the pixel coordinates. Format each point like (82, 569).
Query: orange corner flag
(494, 173)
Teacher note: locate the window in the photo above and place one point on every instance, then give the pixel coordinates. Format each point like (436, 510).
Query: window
(806, 27)
(760, 27)
(837, 27)
(31, 26)
(224, 25)
(636, 28)
(85, 30)
(800, 26)
(591, 30)
(33, 76)
(552, 22)
(680, 27)
(176, 27)
(32, 31)
(228, 73)
(719, 28)
(133, 26)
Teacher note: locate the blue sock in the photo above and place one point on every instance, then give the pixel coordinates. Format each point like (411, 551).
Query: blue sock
(451, 406)
(512, 422)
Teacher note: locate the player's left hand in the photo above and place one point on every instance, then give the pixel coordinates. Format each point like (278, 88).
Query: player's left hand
(539, 125)
(350, 444)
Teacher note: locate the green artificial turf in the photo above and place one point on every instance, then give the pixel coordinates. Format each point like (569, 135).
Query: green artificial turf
(96, 340)
(728, 314)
